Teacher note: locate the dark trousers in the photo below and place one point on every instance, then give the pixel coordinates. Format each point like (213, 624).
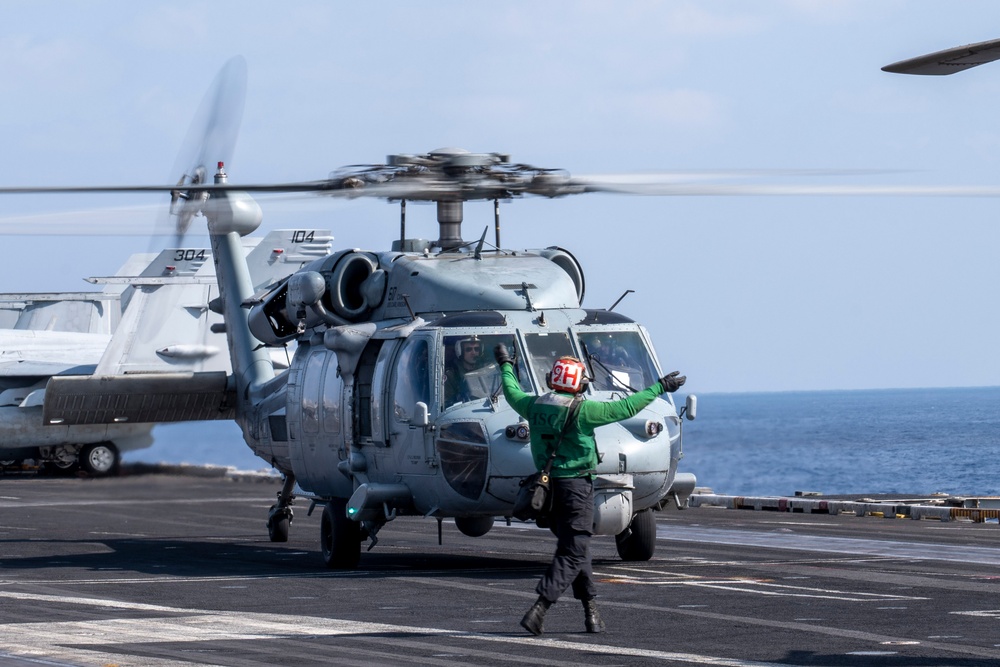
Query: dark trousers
(572, 521)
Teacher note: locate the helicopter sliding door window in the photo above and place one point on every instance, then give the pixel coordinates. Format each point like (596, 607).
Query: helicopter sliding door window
(412, 381)
(619, 360)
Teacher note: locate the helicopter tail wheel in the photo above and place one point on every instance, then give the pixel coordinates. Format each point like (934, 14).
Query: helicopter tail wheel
(100, 459)
(340, 538)
(638, 541)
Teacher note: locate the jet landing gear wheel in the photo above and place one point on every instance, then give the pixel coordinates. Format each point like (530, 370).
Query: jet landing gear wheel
(339, 537)
(638, 541)
(99, 459)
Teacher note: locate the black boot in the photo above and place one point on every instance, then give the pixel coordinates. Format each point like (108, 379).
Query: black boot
(591, 618)
(532, 621)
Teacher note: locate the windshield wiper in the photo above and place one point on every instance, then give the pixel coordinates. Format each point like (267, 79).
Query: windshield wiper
(594, 359)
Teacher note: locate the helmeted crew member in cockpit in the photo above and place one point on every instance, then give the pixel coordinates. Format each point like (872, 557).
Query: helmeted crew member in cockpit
(573, 471)
(468, 358)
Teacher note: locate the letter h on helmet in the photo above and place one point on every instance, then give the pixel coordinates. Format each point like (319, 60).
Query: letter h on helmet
(568, 374)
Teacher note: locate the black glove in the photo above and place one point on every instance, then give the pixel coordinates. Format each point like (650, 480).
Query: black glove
(501, 355)
(672, 382)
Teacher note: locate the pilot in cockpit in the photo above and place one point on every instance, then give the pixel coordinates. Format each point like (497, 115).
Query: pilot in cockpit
(462, 375)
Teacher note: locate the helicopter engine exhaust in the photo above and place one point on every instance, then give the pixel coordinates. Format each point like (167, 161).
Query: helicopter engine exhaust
(340, 289)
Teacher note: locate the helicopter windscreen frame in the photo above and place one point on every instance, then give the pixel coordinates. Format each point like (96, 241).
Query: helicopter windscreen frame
(619, 360)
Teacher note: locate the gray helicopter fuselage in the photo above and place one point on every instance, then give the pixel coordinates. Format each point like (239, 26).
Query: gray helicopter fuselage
(384, 410)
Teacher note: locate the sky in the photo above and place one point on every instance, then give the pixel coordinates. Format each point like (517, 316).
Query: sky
(740, 294)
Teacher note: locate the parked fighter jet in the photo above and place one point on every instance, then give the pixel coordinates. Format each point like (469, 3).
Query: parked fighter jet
(166, 326)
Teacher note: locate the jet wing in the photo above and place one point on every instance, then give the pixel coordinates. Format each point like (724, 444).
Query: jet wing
(65, 349)
(41, 369)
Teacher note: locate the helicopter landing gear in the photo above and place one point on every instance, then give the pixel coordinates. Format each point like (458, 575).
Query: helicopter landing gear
(638, 541)
(339, 537)
(279, 517)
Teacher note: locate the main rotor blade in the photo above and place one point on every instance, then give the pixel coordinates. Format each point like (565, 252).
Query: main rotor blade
(575, 185)
(781, 190)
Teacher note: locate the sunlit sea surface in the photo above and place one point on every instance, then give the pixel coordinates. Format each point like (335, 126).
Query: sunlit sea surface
(907, 441)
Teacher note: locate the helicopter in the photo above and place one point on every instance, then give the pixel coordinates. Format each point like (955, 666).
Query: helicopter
(363, 420)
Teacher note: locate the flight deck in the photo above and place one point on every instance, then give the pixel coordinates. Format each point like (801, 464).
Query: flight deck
(158, 569)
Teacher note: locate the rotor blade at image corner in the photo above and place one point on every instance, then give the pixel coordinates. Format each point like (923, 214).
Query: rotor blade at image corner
(948, 61)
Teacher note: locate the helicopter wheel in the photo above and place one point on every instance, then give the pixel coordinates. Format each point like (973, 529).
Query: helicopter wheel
(340, 538)
(638, 541)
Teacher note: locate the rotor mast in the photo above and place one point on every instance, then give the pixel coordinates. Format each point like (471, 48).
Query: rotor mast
(449, 216)
(449, 177)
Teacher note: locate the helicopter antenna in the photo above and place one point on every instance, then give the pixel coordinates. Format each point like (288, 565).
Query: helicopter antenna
(406, 300)
(627, 292)
(479, 246)
(496, 221)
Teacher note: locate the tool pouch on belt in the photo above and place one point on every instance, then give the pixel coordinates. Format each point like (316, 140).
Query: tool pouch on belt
(534, 498)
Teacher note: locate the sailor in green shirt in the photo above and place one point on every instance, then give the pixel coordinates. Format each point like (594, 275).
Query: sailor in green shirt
(572, 473)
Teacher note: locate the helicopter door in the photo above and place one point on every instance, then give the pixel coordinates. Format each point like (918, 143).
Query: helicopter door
(410, 383)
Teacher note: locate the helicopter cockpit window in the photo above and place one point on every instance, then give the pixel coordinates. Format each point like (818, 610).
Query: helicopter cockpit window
(470, 372)
(545, 349)
(618, 359)
(412, 378)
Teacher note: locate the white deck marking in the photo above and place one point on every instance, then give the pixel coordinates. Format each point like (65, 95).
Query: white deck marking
(846, 545)
(200, 625)
(17, 504)
(755, 586)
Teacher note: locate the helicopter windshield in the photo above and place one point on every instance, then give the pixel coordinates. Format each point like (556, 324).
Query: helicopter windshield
(618, 359)
(545, 348)
(470, 372)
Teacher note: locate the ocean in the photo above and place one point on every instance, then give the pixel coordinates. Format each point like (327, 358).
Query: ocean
(905, 441)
